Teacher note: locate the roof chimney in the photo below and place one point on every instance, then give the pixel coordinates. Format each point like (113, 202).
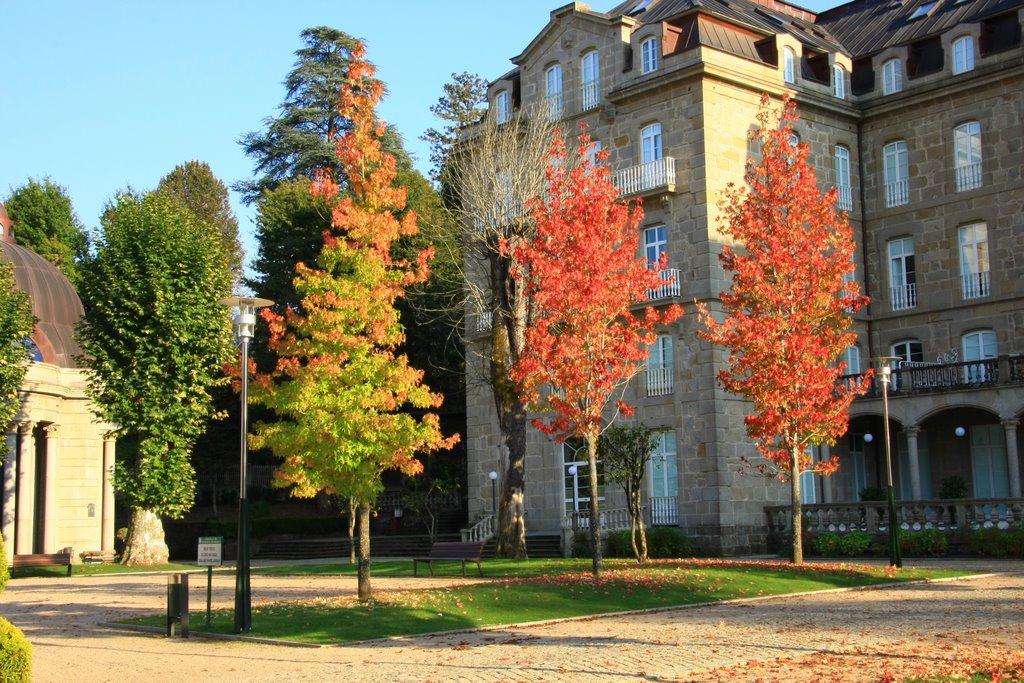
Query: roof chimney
(6, 226)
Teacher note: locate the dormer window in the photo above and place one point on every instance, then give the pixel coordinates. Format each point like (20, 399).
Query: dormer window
(892, 76)
(502, 106)
(788, 65)
(649, 55)
(963, 55)
(839, 81)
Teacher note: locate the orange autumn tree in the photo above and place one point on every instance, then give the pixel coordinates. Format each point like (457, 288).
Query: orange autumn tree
(584, 279)
(348, 406)
(787, 314)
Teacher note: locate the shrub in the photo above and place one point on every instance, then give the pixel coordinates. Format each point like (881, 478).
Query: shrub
(666, 542)
(15, 654)
(993, 542)
(4, 573)
(581, 544)
(825, 543)
(872, 493)
(854, 543)
(619, 543)
(929, 542)
(953, 487)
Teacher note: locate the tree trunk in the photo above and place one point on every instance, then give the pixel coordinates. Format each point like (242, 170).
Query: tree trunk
(353, 511)
(639, 534)
(796, 510)
(365, 591)
(511, 531)
(145, 544)
(595, 519)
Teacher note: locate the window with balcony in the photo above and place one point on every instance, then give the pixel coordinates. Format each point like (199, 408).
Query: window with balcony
(979, 347)
(892, 76)
(656, 244)
(503, 106)
(788, 65)
(839, 81)
(967, 156)
(649, 55)
(851, 356)
(650, 143)
(907, 351)
(660, 366)
(664, 480)
(902, 275)
(975, 281)
(897, 173)
(963, 55)
(843, 187)
(554, 92)
(591, 80)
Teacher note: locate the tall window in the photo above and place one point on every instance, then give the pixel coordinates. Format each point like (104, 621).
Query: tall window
(503, 106)
(649, 55)
(908, 351)
(892, 76)
(655, 243)
(979, 347)
(591, 80)
(902, 275)
(664, 480)
(788, 65)
(852, 359)
(839, 81)
(592, 152)
(897, 173)
(967, 155)
(963, 55)
(660, 365)
(650, 143)
(577, 476)
(843, 187)
(554, 92)
(974, 269)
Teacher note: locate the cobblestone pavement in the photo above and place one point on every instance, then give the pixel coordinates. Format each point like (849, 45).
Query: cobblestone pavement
(723, 642)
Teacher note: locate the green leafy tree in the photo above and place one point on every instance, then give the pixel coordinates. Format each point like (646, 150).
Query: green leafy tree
(788, 311)
(461, 105)
(625, 452)
(299, 141)
(155, 340)
(339, 386)
(45, 221)
(195, 187)
(16, 325)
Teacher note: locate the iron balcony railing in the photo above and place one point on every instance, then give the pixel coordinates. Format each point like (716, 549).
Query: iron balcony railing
(918, 378)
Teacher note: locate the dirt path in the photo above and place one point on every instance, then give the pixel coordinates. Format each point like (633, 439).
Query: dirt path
(849, 636)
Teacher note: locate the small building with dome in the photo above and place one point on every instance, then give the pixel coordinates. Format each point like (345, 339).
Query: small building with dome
(58, 471)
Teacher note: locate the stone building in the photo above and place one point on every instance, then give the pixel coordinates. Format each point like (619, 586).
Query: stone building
(912, 109)
(57, 489)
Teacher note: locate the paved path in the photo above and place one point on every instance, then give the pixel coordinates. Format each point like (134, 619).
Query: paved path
(851, 631)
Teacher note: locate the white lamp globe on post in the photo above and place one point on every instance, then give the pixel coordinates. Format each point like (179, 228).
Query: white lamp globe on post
(493, 476)
(244, 323)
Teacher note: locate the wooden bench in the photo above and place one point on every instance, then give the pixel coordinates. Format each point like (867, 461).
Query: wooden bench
(98, 556)
(44, 560)
(452, 551)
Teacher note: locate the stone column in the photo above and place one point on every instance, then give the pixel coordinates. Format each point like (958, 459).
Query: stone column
(107, 533)
(825, 455)
(915, 470)
(1012, 457)
(50, 484)
(10, 491)
(26, 508)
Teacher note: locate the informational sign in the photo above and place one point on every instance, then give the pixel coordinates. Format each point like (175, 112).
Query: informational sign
(210, 551)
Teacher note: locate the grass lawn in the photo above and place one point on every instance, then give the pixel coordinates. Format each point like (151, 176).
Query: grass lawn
(536, 590)
(95, 569)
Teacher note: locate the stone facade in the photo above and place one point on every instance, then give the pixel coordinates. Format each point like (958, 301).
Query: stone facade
(714, 60)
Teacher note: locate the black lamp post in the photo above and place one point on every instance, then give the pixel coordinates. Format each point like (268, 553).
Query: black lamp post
(244, 323)
(895, 560)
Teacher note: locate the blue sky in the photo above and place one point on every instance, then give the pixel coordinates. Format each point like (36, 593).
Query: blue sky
(105, 95)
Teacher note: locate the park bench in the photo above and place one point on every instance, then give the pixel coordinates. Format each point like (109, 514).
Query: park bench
(44, 560)
(99, 556)
(452, 551)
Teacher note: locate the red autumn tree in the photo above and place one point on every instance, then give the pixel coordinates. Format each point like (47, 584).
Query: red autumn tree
(341, 393)
(788, 309)
(584, 279)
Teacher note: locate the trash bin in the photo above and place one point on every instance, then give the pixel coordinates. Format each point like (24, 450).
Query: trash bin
(177, 603)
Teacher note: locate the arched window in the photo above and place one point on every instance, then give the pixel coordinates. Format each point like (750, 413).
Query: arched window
(839, 81)
(892, 76)
(554, 91)
(503, 106)
(843, 187)
(649, 55)
(967, 155)
(788, 65)
(963, 55)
